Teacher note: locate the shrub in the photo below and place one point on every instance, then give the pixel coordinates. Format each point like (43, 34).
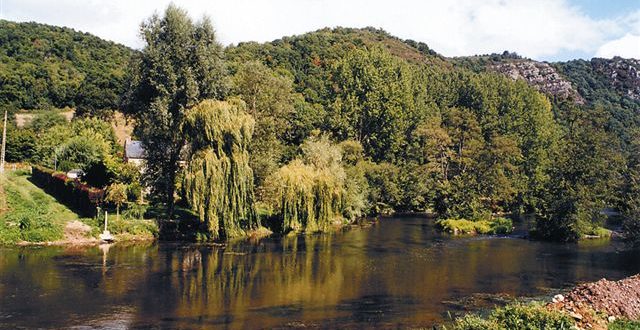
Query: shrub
(135, 212)
(501, 226)
(624, 325)
(517, 316)
(599, 232)
(498, 226)
(463, 226)
(76, 195)
(474, 322)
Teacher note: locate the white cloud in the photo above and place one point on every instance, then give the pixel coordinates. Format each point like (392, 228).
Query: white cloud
(627, 47)
(534, 28)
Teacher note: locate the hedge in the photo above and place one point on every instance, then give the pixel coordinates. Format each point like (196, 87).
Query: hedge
(71, 192)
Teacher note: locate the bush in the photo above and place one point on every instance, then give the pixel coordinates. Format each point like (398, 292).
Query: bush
(498, 226)
(463, 226)
(501, 226)
(474, 322)
(529, 317)
(631, 229)
(624, 325)
(135, 212)
(135, 228)
(76, 195)
(599, 232)
(517, 316)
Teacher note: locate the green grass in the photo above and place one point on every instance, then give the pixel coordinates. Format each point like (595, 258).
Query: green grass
(600, 232)
(498, 226)
(624, 325)
(31, 215)
(34, 216)
(516, 316)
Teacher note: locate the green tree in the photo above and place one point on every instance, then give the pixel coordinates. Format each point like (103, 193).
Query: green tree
(374, 101)
(631, 192)
(218, 182)
(21, 144)
(180, 65)
(117, 194)
(585, 178)
(313, 191)
(270, 99)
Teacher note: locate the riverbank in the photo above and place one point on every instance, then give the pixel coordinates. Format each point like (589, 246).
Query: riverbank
(599, 305)
(594, 305)
(33, 217)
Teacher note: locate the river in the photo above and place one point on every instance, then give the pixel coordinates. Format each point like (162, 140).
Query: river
(396, 273)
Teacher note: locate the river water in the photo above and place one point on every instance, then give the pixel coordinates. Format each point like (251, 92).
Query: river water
(396, 273)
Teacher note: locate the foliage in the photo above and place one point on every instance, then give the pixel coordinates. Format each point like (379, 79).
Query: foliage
(116, 194)
(218, 182)
(416, 132)
(45, 66)
(21, 144)
(373, 102)
(586, 176)
(76, 195)
(312, 192)
(34, 216)
(125, 228)
(498, 226)
(501, 226)
(609, 84)
(621, 324)
(179, 66)
(135, 211)
(517, 316)
(271, 100)
(630, 205)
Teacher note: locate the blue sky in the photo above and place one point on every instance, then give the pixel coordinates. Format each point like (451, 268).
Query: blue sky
(607, 8)
(548, 30)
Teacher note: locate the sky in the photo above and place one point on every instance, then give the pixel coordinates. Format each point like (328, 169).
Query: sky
(549, 30)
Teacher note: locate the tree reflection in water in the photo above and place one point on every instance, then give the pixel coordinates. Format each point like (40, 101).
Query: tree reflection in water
(396, 273)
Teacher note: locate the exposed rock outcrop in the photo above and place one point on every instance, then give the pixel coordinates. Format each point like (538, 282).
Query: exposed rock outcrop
(540, 75)
(623, 74)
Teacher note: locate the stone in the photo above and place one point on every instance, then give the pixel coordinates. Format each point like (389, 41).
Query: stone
(575, 315)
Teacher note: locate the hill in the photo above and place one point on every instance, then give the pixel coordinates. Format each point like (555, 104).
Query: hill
(612, 85)
(310, 56)
(43, 66)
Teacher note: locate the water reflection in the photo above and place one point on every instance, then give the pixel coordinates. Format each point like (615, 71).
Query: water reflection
(397, 273)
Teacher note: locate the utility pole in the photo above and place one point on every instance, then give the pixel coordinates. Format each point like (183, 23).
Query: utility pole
(4, 143)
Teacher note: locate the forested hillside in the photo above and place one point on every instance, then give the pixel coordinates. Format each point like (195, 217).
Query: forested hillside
(43, 66)
(354, 121)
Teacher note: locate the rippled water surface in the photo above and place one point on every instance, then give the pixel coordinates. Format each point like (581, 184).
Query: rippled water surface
(397, 273)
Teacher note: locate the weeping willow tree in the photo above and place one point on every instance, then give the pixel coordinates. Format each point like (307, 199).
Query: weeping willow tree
(308, 194)
(218, 182)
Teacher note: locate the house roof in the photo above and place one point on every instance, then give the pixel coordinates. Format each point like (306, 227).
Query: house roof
(134, 149)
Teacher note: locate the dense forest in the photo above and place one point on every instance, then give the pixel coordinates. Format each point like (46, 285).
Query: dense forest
(329, 126)
(44, 67)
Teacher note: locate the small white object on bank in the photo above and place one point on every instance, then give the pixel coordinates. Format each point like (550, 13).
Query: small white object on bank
(106, 235)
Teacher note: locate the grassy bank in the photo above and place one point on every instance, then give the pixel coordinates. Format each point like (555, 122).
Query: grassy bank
(533, 315)
(497, 226)
(33, 216)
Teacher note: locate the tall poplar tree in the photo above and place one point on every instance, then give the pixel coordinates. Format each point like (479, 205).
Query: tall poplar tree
(180, 65)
